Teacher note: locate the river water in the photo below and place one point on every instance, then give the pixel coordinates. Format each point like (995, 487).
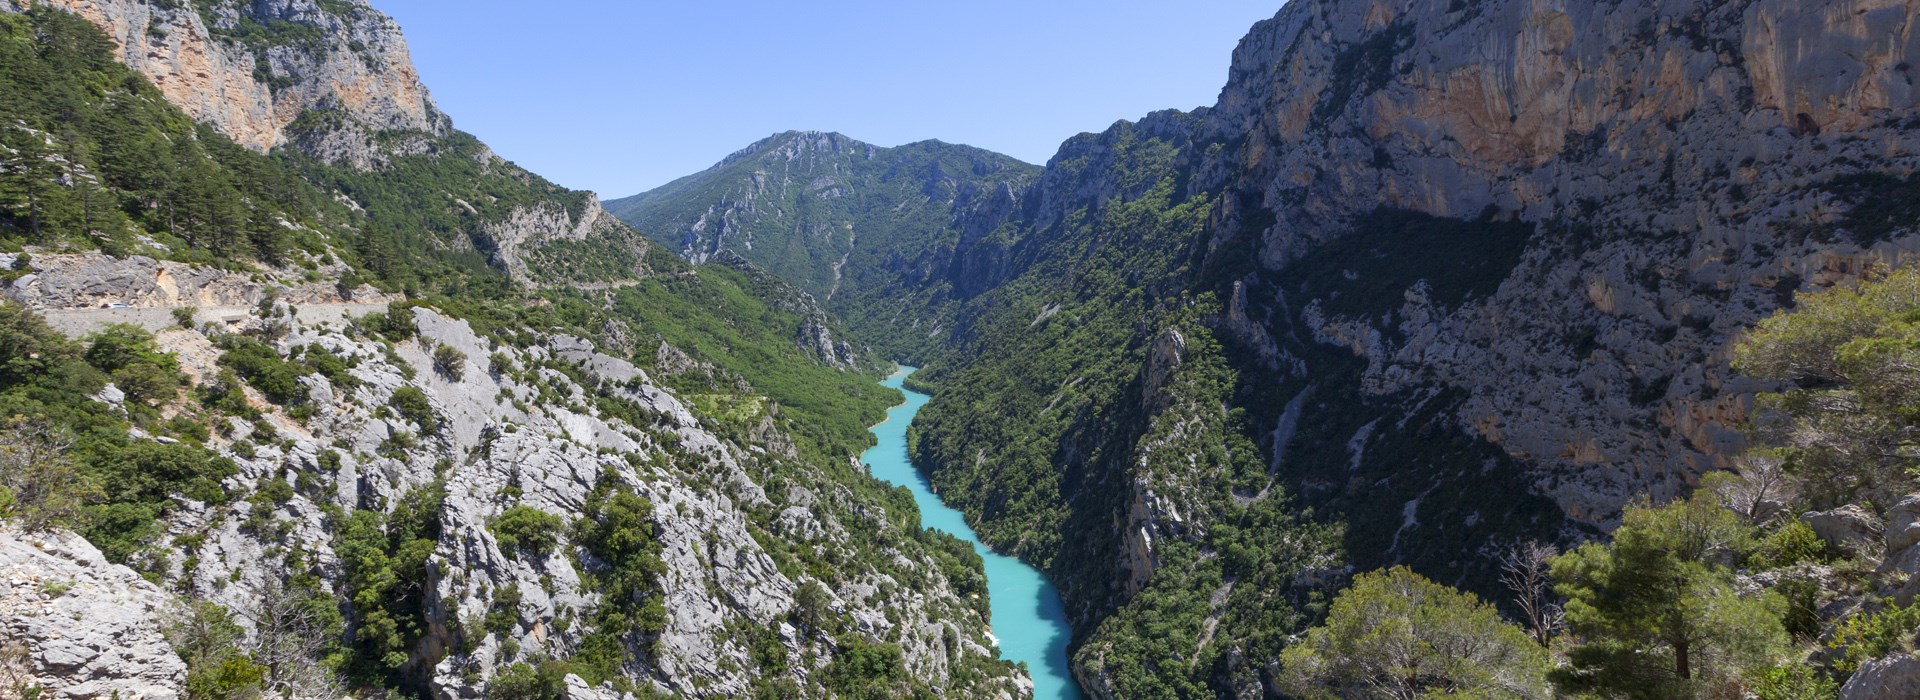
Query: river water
(1028, 619)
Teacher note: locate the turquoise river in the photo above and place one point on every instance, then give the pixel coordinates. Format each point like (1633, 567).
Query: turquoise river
(1028, 619)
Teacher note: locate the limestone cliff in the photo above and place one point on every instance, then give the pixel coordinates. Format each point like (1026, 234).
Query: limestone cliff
(490, 442)
(1476, 266)
(251, 69)
(1680, 158)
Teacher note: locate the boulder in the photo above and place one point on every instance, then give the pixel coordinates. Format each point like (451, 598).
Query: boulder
(1849, 528)
(1895, 677)
(1903, 525)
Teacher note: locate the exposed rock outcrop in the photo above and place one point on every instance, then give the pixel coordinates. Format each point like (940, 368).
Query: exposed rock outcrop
(1891, 678)
(497, 447)
(90, 629)
(251, 69)
(1849, 528)
(93, 280)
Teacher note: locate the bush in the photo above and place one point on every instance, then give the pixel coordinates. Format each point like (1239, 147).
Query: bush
(205, 636)
(185, 316)
(137, 365)
(617, 528)
(526, 527)
(1794, 682)
(412, 404)
(1793, 543)
(450, 362)
(1869, 636)
(262, 367)
(546, 680)
(41, 487)
(1396, 633)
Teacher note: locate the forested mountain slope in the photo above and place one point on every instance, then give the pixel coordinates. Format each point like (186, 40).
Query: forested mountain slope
(389, 413)
(878, 235)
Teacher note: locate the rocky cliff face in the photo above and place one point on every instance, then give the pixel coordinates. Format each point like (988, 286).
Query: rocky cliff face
(1477, 266)
(430, 512)
(251, 69)
(85, 628)
(1688, 165)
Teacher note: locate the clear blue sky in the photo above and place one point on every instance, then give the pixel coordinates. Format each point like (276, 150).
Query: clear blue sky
(619, 97)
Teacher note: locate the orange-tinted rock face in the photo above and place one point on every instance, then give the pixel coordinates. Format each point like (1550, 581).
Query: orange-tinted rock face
(364, 69)
(1678, 147)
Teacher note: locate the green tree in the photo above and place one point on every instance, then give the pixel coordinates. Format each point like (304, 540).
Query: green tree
(546, 680)
(526, 527)
(617, 529)
(1395, 634)
(1850, 357)
(1654, 614)
(413, 405)
(204, 635)
(449, 361)
(137, 365)
(30, 172)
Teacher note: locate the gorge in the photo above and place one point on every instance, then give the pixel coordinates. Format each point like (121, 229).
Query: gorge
(1430, 286)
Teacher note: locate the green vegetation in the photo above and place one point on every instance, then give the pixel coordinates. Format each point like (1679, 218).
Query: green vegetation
(867, 671)
(385, 562)
(205, 636)
(527, 527)
(412, 404)
(135, 364)
(1848, 356)
(1396, 634)
(617, 529)
(450, 362)
(97, 158)
(840, 237)
(264, 369)
(546, 680)
(1653, 614)
(69, 461)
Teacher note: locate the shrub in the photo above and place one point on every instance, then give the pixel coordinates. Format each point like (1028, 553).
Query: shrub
(1396, 633)
(450, 362)
(263, 368)
(41, 487)
(1793, 543)
(1869, 636)
(185, 316)
(137, 365)
(526, 527)
(1794, 681)
(412, 404)
(546, 680)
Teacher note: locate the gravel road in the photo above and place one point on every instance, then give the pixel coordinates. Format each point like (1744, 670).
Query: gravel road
(77, 323)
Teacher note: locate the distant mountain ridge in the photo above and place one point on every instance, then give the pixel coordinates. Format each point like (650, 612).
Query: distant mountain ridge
(859, 226)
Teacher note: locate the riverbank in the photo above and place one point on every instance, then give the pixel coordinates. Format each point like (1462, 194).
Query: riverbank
(1028, 619)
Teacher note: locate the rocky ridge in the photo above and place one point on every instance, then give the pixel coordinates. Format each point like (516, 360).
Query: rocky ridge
(497, 446)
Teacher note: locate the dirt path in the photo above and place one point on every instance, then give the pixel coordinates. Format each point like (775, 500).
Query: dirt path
(77, 323)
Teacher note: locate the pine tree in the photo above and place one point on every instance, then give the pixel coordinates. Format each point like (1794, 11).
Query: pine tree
(1654, 613)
